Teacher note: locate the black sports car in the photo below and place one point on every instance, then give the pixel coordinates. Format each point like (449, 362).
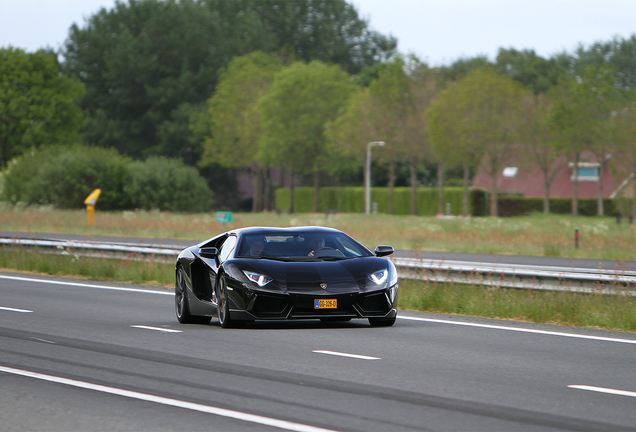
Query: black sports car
(285, 273)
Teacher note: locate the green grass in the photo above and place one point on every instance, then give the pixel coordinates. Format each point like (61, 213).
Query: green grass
(611, 312)
(110, 270)
(538, 235)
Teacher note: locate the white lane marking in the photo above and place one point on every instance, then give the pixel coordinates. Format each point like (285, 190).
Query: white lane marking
(518, 329)
(83, 285)
(523, 330)
(43, 340)
(15, 310)
(267, 421)
(604, 390)
(356, 356)
(165, 330)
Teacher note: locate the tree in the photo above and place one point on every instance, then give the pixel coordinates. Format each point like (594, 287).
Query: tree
(38, 106)
(531, 70)
(482, 114)
(540, 144)
(145, 63)
(580, 116)
(294, 112)
(232, 121)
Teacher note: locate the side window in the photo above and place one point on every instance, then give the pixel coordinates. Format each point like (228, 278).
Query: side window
(227, 248)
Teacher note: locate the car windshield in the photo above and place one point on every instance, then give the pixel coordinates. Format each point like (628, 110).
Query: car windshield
(301, 246)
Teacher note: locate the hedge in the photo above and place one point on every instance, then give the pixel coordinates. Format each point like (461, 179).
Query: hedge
(351, 200)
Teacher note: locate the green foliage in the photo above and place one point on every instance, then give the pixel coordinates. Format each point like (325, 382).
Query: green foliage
(65, 176)
(351, 200)
(519, 206)
(531, 70)
(142, 61)
(232, 122)
(167, 184)
(301, 100)
(38, 106)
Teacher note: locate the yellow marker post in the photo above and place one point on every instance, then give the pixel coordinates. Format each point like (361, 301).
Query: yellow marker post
(90, 202)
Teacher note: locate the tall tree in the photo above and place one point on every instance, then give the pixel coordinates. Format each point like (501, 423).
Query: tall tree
(38, 106)
(581, 113)
(231, 124)
(540, 148)
(531, 70)
(295, 110)
(485, 110)
(146, 62)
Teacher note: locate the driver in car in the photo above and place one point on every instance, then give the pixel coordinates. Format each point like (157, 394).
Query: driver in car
(318, 243)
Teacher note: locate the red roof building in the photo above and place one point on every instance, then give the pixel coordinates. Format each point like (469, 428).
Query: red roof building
(520, 179)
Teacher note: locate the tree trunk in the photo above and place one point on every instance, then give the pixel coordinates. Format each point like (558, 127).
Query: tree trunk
(493, 193)
(575, 192)
(291, 193)
(391, 185)
(465, 198)
(257, 182)
(267, 190)
(546, 198)
(440, 187)
(413, 172)
(316, 190)
(600, 188)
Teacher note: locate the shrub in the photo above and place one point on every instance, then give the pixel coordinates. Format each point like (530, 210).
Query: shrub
(65, 176)
(167, 184)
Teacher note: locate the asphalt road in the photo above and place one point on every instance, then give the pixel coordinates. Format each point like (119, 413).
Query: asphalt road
(77, 355)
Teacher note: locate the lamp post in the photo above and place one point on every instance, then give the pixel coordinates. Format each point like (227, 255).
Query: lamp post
(367, 176)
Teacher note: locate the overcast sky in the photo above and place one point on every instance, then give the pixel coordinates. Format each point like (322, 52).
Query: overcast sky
(437, 31)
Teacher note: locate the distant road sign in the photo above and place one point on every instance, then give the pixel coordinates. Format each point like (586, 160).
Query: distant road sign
(224, 217)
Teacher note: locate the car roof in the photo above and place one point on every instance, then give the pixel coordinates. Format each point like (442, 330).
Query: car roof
(282, 231)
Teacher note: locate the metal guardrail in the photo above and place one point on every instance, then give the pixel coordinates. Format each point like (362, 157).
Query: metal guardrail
(604, 281)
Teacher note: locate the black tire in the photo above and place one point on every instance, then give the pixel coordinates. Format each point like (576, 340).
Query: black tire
(382, 322)
(222, 304)
(181, 302)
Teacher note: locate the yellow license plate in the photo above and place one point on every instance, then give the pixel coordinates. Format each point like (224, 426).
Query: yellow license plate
(326, 304)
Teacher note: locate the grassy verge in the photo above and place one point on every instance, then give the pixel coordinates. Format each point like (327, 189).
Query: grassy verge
(538, 235)
(561, 308)
(610, 312)
(109, 270)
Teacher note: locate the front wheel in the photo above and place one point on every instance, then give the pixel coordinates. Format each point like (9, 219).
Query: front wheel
(181, 302)
(222, 304)
(382, 322)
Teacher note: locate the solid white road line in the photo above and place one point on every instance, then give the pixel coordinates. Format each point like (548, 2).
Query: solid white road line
(488, 326)
(83, 285)
(164, 330)
(267, 421)
(356, 356)
(15, 310)
(523, 330)
(604, 390)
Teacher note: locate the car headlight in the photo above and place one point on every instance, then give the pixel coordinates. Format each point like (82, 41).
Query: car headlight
(259, 279)
(379, 277)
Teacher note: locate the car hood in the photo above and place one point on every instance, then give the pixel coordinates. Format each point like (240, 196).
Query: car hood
(337, 277)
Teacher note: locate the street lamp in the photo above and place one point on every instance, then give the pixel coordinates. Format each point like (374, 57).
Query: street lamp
(367, 176)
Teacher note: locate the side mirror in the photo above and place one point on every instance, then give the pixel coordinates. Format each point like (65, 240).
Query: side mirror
(209, 252)
(383, 251)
